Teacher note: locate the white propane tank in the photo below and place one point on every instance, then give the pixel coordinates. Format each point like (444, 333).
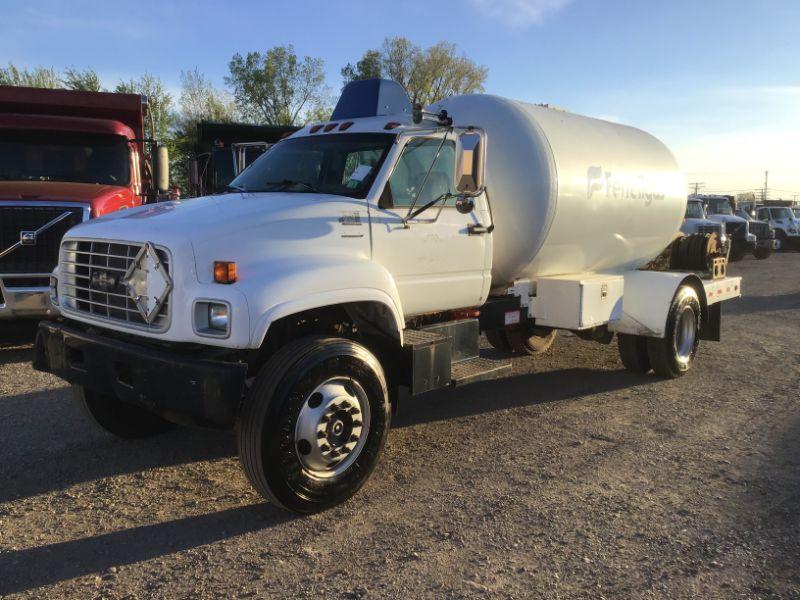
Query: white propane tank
(571, 194)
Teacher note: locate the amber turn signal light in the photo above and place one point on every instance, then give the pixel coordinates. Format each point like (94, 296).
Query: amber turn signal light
(224, 272)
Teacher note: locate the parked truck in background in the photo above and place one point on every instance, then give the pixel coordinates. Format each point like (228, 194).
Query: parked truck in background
(744, 235)
(785, 223)
(65, 157)
(222, 150)
(359, 260)
(765, 234)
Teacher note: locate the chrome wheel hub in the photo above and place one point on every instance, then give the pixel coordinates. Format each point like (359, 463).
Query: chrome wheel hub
(332, 427)
(685, 334)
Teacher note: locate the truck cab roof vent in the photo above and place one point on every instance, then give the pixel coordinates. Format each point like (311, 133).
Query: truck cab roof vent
(371, 98)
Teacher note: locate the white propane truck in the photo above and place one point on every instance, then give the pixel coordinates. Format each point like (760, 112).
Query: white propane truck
(359, 260)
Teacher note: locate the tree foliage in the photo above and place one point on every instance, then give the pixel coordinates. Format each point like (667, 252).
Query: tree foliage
(277, 88)
(427, 74)
(160, 100)
(201, 101)
(86, 80)
(38, 77)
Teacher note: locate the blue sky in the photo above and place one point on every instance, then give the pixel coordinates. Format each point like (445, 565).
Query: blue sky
(717, 80)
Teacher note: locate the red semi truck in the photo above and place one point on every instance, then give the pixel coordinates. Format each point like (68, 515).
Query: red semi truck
(65, 157)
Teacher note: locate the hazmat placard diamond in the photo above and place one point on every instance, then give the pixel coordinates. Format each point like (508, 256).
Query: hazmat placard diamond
(148, 282)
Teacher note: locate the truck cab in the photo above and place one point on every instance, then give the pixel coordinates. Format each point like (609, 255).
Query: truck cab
(720, 209)
(696, 221)
(65, 157)
(785, 223)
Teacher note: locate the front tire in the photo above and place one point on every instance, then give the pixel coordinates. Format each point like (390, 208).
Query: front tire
(119, 418)
(736, 254)
(672, 356)
(313, 425)
(762, 252)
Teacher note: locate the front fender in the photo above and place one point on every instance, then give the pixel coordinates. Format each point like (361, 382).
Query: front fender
(307, 283)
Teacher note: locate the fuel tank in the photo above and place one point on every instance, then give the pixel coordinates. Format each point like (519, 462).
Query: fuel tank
(571, 194)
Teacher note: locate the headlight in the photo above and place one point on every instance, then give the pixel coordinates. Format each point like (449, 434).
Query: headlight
(219, 316)
(54, 290)
(212, 318)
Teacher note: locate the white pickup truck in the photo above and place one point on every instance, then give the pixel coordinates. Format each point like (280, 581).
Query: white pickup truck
(359, 260)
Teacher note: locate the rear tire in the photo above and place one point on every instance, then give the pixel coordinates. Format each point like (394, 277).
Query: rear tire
(532, 341)
(633, 352)
(119, 418)
(498, 340)
(313, 425)
(672, 355)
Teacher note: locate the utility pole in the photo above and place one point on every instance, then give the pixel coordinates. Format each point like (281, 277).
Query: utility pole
(766, 184)
(697, 185)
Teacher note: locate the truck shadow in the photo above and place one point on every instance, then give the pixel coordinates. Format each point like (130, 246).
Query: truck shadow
(31, 568)
(47, 444)
(512, 392)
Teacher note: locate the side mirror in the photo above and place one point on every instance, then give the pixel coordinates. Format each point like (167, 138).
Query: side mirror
(162, 169)
(469, 164)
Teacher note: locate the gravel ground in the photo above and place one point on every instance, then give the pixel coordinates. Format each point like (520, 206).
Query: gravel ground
(567, 478)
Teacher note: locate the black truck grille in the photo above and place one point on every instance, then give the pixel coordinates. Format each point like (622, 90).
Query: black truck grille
(760, 230)
(41, 256)
(737, 231)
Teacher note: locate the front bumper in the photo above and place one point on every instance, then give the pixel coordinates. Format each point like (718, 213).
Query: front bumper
(17, 301)
(179, 387)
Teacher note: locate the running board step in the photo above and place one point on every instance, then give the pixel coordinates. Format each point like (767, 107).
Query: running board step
(477, 369)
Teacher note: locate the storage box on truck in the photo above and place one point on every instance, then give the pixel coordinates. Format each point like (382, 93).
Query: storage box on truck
(361, 258)
(65, 156)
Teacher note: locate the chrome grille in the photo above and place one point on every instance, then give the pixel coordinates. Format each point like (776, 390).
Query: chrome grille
(81, 260)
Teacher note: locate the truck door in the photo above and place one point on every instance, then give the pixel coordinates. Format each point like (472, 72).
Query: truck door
(437, 259)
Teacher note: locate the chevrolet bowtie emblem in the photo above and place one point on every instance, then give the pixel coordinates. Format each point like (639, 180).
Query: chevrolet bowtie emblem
(27, 238)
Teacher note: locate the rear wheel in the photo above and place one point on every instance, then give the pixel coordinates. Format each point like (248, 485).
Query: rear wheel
(672, 355)
(498, 340)
(119, 418)
(633, 352)
(780, 240)
(530, 340)
(314, 423)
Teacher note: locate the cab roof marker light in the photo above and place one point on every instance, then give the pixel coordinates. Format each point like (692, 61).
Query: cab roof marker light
(316, 128)
(345, 126)
(330, 126)
(392, 125)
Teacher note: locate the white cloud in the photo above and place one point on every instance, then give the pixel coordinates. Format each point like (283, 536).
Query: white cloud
(519, 13)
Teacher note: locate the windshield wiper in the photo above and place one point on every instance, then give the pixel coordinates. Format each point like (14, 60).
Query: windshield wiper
(284, 183)
(229, 189)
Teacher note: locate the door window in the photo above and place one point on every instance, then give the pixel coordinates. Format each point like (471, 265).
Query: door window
(410, 172)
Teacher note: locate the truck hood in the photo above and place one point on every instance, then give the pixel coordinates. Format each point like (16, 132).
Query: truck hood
(248, 228)
(727, 219)
(99, 196)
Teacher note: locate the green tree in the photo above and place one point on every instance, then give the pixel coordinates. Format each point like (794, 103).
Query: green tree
(86, 80)
(277, 88)
(369, 67)
(201, 101)
(160, 100)
(40, 77)
(427, 74)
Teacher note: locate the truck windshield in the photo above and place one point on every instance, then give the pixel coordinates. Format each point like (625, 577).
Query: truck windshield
(27, 155)
(719, 207)
(781, 213)
(694, 210)
(340, 164)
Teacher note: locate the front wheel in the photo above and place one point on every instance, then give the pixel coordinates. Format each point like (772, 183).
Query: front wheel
(736, 253)
(119, 418)
(762, 252)
(672, 355)
(313, 425)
